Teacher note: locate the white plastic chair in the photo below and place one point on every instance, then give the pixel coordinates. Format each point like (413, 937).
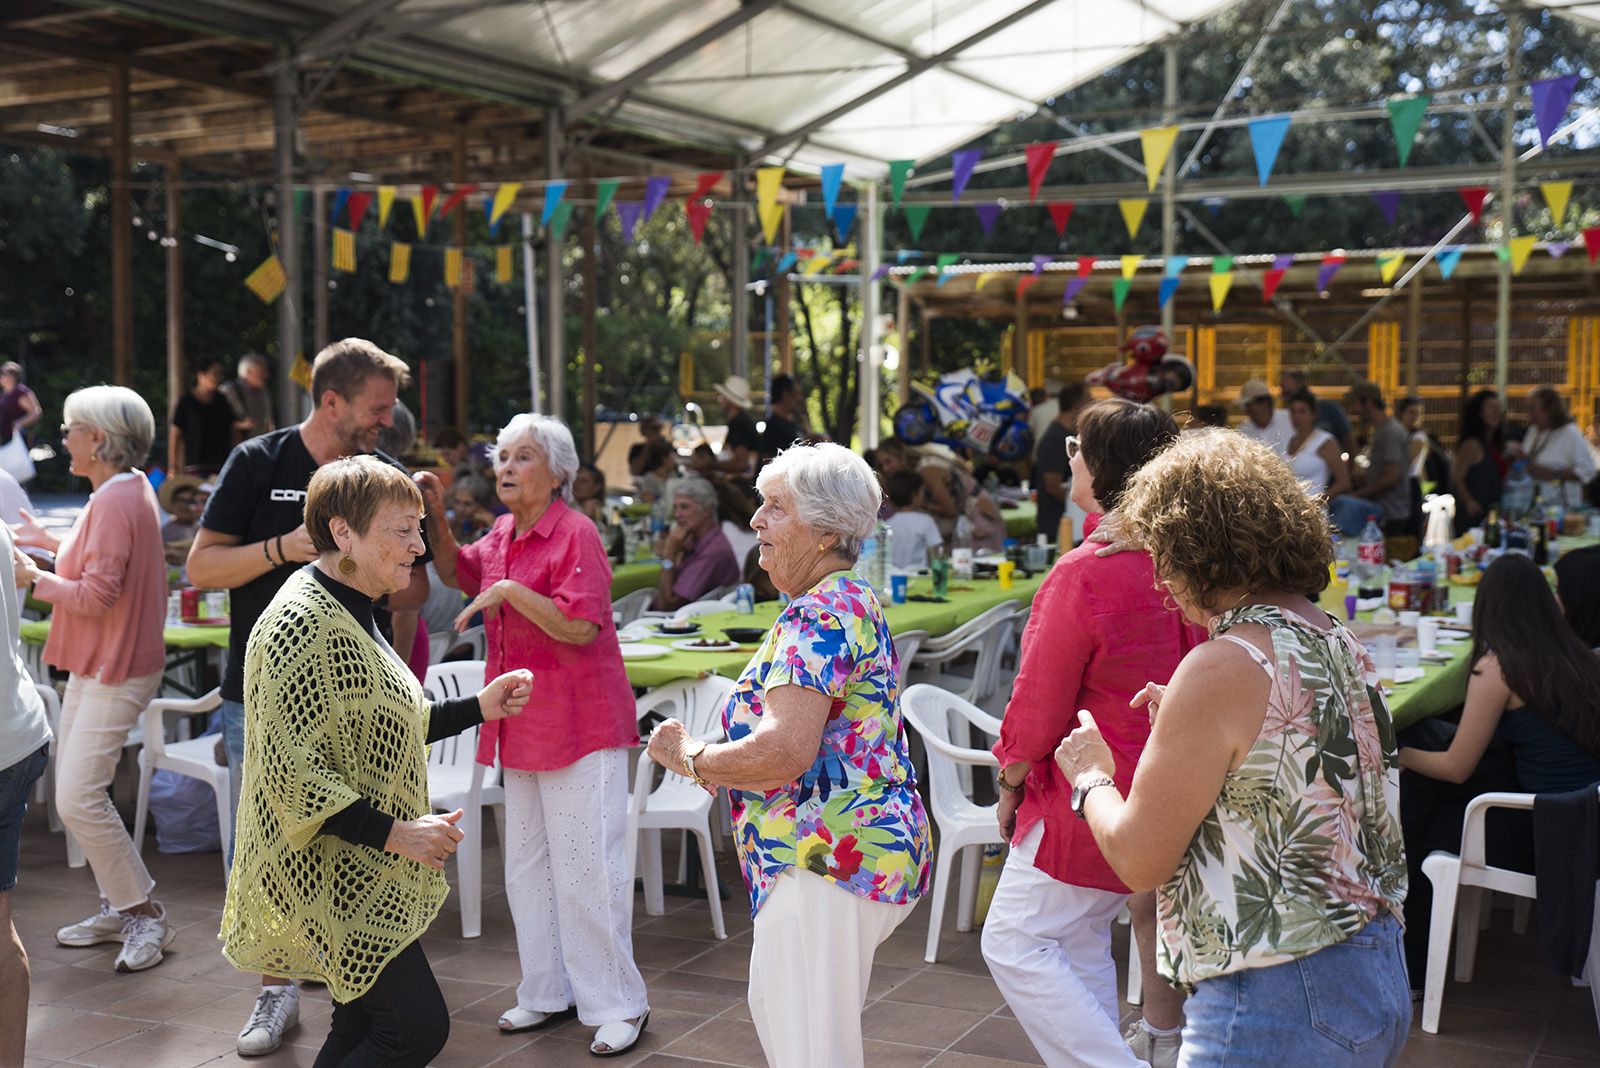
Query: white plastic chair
(457, 780)
(677, 803)
(1468, 880)
(983, 638)
(627, 608)
(195, 758)
(964, 827)
(475, 640)
(44, 791)
(906, 645)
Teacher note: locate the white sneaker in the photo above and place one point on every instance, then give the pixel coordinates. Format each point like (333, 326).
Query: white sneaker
(277, 1010)
(1158, 1051)
(144, 937)
(104, 926)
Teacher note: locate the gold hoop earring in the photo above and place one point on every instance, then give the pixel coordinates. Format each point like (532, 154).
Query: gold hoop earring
(347, 566)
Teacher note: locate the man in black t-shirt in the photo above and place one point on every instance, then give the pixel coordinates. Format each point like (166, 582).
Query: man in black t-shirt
(203, 424)
(743, 443)
(253, 537)
(783, 419)
(1051, 475)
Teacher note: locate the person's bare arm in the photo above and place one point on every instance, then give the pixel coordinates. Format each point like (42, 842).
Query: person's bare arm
(536, 607)
(1339, 480)
(1468, 453)
(1054, 484)
(936, 494)
(221, 562)
(1387, 477)
(782, 748)
(440, 536)
(1487, 697)
(32, 411)
(174, 449)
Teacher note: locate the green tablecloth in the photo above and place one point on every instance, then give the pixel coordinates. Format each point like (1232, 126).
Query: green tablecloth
(35, 631)
(966, 602)
(1022, 522)
(625, 578)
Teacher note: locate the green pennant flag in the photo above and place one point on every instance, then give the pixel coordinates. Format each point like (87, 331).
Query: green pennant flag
(300, 198)
(916, 274)
(1405, 117)
(899, 169)
(946, 259)
(1297, 204)
(603, 192)
(1221, 264)
(1503, 253)
(916, 215)
(761, 257)
(1119, 291)
(559, 218)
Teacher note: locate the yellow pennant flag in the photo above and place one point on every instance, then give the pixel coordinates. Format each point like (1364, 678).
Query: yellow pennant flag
(452, 267)
(1133, 213)
(1157, 144)
(984, 279)
(502, 263)
(300, 373)
(818, 264)
(385, 202)
(503, 196)
(1521, 249)
(267, 281)
(1389, 265)
(344, 250)
(399, 262)
(1556, 194)
(1130, 264)
(1220, 284)
(771, 216)
(768, 181)
(421, 214)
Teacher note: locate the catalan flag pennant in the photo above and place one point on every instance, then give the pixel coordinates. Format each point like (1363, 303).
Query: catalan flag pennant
(452, 267)
(267, 280)
(502, 263)
(399, 262)
(344, 250)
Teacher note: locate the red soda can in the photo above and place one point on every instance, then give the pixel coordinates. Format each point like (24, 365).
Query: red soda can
(191, 604)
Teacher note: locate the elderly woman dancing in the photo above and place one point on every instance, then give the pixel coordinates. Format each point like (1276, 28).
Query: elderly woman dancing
(339, 864)
(541, 578)
(1265, 805)
(832, 835)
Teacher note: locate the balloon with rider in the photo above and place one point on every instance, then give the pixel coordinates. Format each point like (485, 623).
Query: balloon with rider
(983, 409)
(1150, 370)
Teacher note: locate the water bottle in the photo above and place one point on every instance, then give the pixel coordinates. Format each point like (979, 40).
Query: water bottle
(744, 599)
(869, 550)
(961, 549)
(1516, 495)
(1371, 555)
(881, 560)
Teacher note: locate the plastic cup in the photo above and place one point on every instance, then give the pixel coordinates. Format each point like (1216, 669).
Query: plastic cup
(1005, 569)
(1383, 652)
(1464, 613)
(1410, 619)
(1427, 634)
(1350, 606)
(897, 588)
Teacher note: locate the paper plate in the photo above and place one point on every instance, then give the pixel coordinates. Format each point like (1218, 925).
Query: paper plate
(691, 645)
(644, 651)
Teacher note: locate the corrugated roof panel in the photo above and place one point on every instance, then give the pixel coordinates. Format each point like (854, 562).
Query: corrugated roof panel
(927, 116)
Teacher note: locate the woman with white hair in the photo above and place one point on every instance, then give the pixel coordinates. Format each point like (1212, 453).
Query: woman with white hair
(696, 557)
(833, 839)
(541, 579)
(109, 590)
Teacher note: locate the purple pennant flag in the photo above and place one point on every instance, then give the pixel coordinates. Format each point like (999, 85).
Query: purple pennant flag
(1388, 203)
(881, 272)
(655, 190)
(987, 214)
(1074, 286)
(1550, 100)
(1325, 273)
(961, 164)
(1039, 263)
(628, 212)
(1282, 261)
(1557, 249)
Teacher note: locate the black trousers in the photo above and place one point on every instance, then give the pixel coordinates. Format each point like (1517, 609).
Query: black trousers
(401, 1020)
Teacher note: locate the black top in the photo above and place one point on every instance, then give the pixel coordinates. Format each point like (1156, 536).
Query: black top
(1051, 455)
(742, 432)
(1547, 760)
(1482, 480)
(360, 823)
(779, 435)
(261, 494)
(207, 429)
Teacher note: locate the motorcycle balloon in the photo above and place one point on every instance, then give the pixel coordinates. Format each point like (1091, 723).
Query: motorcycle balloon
(915, 424)
(1015, 442)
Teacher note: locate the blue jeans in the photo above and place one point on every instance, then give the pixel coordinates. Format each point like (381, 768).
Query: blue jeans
(1349, 513)
(233, 742)
(16, 782)
(1344, 1006)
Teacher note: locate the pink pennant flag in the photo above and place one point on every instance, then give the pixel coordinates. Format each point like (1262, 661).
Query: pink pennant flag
(1269, 283)
(698, 210)
(359, 202)
(457, 196)
(1591, 241)
(1472, 196)
(1085, 265)
(704, 182)
(1024, 282)
(1039, 156)
(1060, 211)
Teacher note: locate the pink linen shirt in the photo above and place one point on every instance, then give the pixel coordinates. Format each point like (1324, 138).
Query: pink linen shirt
(109, 588)
(582, 701)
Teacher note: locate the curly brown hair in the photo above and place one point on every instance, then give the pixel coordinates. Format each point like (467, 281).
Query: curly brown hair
(1218, 511)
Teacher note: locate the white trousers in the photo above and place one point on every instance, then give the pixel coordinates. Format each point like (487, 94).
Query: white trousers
(567, 883)
(1048, 945)
(810, 963)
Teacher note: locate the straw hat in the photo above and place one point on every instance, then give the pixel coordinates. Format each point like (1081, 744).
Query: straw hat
(1252, 391)
(735, 390)
(171, 486)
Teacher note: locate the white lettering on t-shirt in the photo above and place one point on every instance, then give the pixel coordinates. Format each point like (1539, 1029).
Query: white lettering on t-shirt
(290, 495)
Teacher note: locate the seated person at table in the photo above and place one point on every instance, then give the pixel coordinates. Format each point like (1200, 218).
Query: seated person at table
(695, 556)
(182, 498)
(913, 530)
(1578, 590)
(1530, 723)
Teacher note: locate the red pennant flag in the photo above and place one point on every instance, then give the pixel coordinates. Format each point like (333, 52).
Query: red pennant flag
(1591, 241)
(703, 183)
(1060, 211)
(698, 210)
(359, 202)
(846, 266)
(1024, 282)
(1039, 156)
(461, 193)
(1085, 265)
(428, 193)
(1269, 283)
(1472, 197)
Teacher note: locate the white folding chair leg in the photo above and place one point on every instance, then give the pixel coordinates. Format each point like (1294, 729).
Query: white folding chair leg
(655, 899)
(141, 804)
(967, 902)
(1474, 910)
(941, 888)
(708, 867)
(1444, 872)
(1135, 973)
(683, 857)
(469, 871)
(1521, 909)
(219, 790)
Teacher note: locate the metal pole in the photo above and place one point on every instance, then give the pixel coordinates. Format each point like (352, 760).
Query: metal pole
(121, 229)
(174, 287)
(284, 88)
(588, 234)
(1169, 209)
(319, 268)
(741, 274)
(554, 327)
(530, 305)
(871, 343)
(459, 312)
(1508, 193)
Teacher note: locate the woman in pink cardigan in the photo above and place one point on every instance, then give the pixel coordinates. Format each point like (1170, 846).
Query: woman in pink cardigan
(109, 590)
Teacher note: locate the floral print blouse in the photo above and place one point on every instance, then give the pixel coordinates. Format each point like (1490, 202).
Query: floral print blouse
(855, 817)
(1303, 847)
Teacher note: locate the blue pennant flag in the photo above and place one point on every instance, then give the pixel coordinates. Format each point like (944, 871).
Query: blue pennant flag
(1169, 286)
(1447, 260)
(788, 261)
(339, 200)
(1175, 265)
(553, 192)
(844, 215)
(832, 175)
(1266, 137)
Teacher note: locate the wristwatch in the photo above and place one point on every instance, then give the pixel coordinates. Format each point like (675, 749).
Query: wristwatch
(688, 763)
(1080, 794)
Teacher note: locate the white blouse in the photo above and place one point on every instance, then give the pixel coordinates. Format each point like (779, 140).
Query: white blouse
(1308, 465)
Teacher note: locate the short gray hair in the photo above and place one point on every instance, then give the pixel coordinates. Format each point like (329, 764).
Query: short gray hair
(552, 438)
(396, 439)
(121, 415)
(249, 360)
(697, 489)
(834, 491)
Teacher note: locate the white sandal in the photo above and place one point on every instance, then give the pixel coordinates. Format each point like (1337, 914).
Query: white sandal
(516, 1020)
(618, 1037)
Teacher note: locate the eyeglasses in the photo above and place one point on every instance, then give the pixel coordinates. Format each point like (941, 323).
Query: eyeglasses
(1073, 448)
(67, 428)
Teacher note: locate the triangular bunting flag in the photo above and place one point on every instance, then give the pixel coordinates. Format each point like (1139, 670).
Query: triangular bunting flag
(1168, 287)
(1221, 264)
(502, 263)
(1060, 211)
(267, 280)
(1550, 99)
(504, 194)
(789, 260)
(419, 213)
(818, 264)
(1269, 283)
(1282, 261)
(881, 271)
(1502, 253)
(1085, 265)
(1591, 242)
(768, 181)
(1024, 283)
(832, 176)
(1388, 203)
(771, 217)
(553, 192)
(1157, 145)
(984, 279)
(1221, 282)
(961, 164)
(1174, 266)
(385, 202)
(452, 267)
(1119, 292)
(917, 275)
(1039, 156)
(1329, 267)
(1447, 260)
(698, 209)
(1074, 286)
(344, 250)
(429, 192)
(1297, 204)
(559, 219)
(340, 199)
(460, 193)
(916, 215)
(1266, 137)
(1405, 117)
(844, 216)
(604, 191)
(655, 191)
(1389, 264)
(1472, 196)
(1133, 214)
(899, 170)
(1521, 249)
(987, 214)
(1039, 264)
(1556, 194)
(399, 262)
(628, 213)
(359, 202)
(1557, 249)
(945, 259)
(1130, 265)
(704, 182)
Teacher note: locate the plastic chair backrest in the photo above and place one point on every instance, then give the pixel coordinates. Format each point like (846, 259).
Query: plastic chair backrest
(447, 681)
(153, 719)
(696, 703)
(927, 709)
(629, 605)
(906, 645)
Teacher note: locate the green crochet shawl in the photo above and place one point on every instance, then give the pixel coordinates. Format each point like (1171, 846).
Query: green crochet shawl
(330, 717)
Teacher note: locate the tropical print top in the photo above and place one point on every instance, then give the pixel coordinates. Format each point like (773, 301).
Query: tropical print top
(1303, 847)
(855, 817)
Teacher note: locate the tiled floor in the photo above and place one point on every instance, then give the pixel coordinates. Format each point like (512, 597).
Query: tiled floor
(187, 1010)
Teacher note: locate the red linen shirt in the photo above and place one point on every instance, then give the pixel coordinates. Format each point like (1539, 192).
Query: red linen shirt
(582, 702)
(1099, 631)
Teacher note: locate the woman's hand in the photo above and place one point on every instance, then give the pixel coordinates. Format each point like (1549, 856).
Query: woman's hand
(1005, 813)
(488, 601)
(506, 695)
(1113, 539)
(667, 744)
(1151, 695)
(1084, 753)
(29, 532)
(432, 492)
(23, 568)
(429, 840)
